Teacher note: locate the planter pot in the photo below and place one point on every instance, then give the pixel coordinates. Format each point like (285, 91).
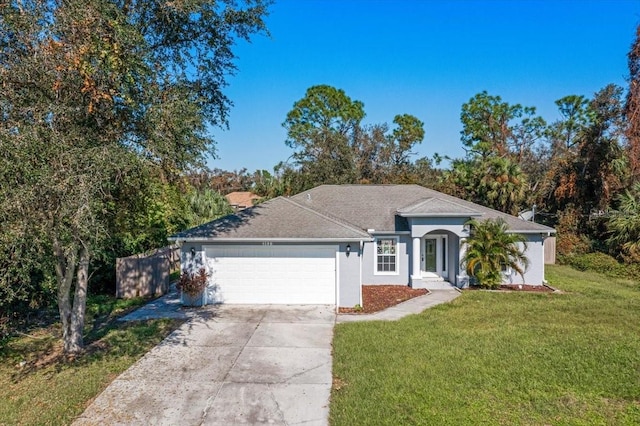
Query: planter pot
(197, 300)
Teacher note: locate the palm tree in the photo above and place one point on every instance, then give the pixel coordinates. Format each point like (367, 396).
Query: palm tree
(490, 249)
(206, 205)
(624, 225)
(503, 185)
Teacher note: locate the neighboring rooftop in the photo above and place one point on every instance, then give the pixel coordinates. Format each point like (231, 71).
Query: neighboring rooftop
(241, 199)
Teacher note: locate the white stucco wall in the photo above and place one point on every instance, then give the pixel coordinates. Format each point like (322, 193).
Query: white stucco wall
(423, 225)
(370, 277)
(359, 267)
(190, 262)
(534, 275)
(349, 289)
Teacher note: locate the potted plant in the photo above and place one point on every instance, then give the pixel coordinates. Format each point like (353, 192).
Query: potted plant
(192, 288)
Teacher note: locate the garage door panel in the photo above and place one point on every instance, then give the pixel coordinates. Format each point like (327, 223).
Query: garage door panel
(273, 274)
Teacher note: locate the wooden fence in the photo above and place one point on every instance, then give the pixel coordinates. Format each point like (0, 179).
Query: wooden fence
(146, 274)
(550, 250)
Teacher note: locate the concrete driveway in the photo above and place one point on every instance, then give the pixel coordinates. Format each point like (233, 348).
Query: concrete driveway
(242, 365)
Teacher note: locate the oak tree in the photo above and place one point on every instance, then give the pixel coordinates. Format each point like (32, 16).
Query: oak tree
(91, 90)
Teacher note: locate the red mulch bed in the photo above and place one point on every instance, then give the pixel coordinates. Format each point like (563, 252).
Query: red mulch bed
(378, 297)
(518, 287)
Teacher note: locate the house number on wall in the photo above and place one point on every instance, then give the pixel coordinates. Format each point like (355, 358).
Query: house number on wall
(267, 243)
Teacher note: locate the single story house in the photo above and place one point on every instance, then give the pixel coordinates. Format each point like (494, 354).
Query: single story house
(321, 246)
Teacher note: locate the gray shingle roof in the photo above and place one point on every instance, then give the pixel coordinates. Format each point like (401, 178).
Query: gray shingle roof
(376, 206)
(437, 207)
(279, 218)
(343, 212)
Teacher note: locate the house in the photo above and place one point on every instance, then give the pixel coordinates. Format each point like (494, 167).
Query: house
(322, 245)
(241, 200)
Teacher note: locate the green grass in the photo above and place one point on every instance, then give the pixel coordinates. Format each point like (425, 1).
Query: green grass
(498, 358)
(49, 390)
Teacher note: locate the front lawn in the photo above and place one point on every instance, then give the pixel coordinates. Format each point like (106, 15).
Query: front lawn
(498, 358)
(38, 386)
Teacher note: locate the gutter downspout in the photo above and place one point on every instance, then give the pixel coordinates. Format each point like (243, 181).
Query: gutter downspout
(544, 237)
(338, 279)
(360, 255)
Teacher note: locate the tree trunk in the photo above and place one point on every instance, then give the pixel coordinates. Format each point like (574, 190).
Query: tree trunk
(74, 343)
(72, 314)
(65, 269)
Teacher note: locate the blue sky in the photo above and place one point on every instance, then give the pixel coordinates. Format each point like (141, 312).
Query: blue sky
(424, 58)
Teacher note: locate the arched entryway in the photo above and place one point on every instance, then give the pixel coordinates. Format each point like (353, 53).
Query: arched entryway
(434, 256)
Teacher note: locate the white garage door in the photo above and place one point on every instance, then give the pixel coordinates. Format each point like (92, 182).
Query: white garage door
(274, 274)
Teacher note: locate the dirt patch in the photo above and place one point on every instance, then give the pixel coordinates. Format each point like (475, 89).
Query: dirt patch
(375, 298)
(518, 287)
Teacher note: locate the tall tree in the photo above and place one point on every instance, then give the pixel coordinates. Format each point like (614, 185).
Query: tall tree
(596, 173)
(494, 182)
(503, 185)
(632, 110)
(564, 137)
(141, 212)
(565, 133)
(333, 147)
(408, 133)
(503, 147)
(396, 150)
(491, 126)
(225, 181)
(320, 128)
(369, 148)
(88, 89)
(624, 225)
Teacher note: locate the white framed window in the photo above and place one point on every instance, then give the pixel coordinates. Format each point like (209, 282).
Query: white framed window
(386, 261)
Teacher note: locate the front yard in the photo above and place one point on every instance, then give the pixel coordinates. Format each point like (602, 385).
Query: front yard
(38, 386)
(498, 358)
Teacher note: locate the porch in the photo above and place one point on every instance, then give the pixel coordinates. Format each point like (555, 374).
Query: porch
(435, 261)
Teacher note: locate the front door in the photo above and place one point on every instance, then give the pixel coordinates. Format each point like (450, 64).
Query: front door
(430, 255)
(435, 256)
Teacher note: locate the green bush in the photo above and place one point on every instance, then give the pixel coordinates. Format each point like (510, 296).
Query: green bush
(598, 262)
(602, 263)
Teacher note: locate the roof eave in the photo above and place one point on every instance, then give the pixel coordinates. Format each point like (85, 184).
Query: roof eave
(389, 232)
(531, 231)
(266, 239)
(440, 214)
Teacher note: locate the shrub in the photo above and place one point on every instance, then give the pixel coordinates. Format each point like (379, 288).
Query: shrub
(598, 262)
(193, 283)
(570, 240)
(570, 244)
